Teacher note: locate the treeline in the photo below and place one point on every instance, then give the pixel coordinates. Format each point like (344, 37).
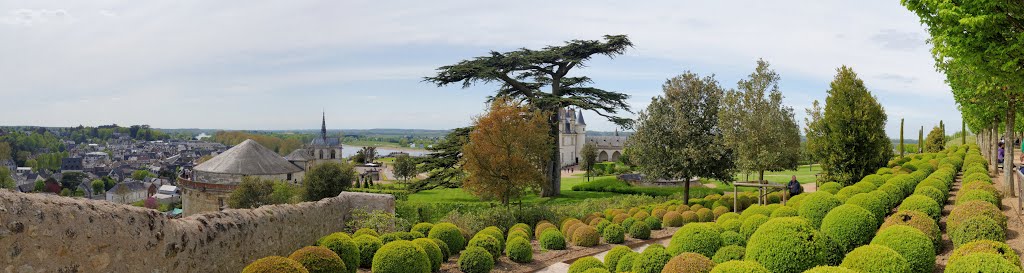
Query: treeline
(83, 134)
(281, 143)
(22, 146)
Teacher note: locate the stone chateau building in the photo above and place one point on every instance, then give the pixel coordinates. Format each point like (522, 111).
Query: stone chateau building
(206, 187)
(573, 135)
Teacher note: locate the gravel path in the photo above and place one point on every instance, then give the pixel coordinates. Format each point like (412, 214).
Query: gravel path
(1014, 223)
(947, 246)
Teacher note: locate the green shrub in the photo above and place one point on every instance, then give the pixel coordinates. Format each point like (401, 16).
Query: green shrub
(849, 225)
(519, 250)
(521, 226)
(933, 193)
(625, 263)
(450, 234)
(986, 246)
(517, 233)
(865, 186)
(788, 244)
(815, 206)
(981, 262)
(601, 225)
(640, 231)
(688, 262)
(917, 220)
(586, 236)
(739, 267)
(689, 217)
(474, 260)
(672, 219)
(494, 232)
(751, 224)
(830, 187)
(705, 215)
(755, 210)
(583, 264)
(341, 244)
(552, 239)
(652, 260)
(433, 251)
(487, 242)
(423, 228)
(978, 176)
(731, 224)
(614, 234)
(445, 253)
(831, 269)
(318, 259)
(923, 204)
(365, 231)
(910, 243)
(400, 256)
(785, 211)
(727, 216)
(701, 238)
(977, 228)
(875, 258)
(367, 245)
(972, 195)
(274, 264)
(970, 209)
(628, 223)
(730, 237)
(979, 185)
(729, 253)
(935, 183)
(719, 210)
(851, 190)
(611, 259)
(871, 203)
(653, 222)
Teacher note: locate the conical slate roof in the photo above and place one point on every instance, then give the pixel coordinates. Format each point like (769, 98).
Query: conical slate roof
(248, 158)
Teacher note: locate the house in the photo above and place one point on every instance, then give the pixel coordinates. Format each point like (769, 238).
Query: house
(71, 164)
(167, 194)
(127, 192)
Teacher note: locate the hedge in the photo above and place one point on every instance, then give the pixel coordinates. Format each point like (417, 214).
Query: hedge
(876, 259)
(731, 224)
(651, 260)
(625, 263)
(614, 234)
(423, 228)
(986, 246)
(729, 253)
(830, 187)
(586, 236)
(910, 243)
(701, 238)
(739, 267)
(972, 195)
(923, 204)
(981, 262)
(450, 235)
(917, 220)
(368, 245)
(474, 260)
(688, 263)
(583, 264)
(790, 244)
(552, 239)
(730, 237)
(815, 206)
(751, 224)
(342, 244)
(785, 211)
(933, 193)
(977, 228)
(519, 250)
(965, 211)
(611, 259)
(365, 231)
(870, 202)
(400, 256)
(640, 231)
(488, 242)
(274, 264)
(849, 225)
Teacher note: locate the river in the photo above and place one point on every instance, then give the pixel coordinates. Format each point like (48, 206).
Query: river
(349, 150)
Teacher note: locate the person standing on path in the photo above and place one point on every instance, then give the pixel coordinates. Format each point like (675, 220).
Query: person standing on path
(1001, 153)
(794, 187)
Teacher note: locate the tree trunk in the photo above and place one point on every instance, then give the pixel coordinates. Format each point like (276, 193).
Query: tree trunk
(554, 173)
(686, 192)
(993, 155)
(760, 180)
(1008, 150)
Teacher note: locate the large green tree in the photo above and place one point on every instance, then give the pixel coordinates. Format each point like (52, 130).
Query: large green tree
(678, 136)
(444, 162)
(252, 192)
(980, 46)
(524, 74)
(757, 126)
(935, 142)
(6, 181)
(850, 136)
(588, 154)
(404, 167)
(328, 179)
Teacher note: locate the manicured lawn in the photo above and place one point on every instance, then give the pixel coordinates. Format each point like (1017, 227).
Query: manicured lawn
(803, 174)
(459, 195)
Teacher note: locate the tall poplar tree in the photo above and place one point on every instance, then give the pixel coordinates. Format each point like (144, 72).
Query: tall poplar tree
(852, 135)
(756, 125)
(524, 74)
(678, 136)
(901, 138)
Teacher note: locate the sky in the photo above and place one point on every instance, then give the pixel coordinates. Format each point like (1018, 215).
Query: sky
(233, 64)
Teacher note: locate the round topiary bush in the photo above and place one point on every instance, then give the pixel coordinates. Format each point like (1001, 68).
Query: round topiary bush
(923, 204)
(700, 238)
(341, 244)
(705, 215)
(583, 264)
(689, 217)
(496, 233)
(719, 211)
(517, 233)
(970, 209)
(979, 185)
(658, 212)
(445, 253)
(519, 250)
(521, 226)
(910, 243)
(318, 259)
(450, 234)
(755, 210)
(619, 218)
(869, 202)
(433, 252)
(274, 264)
(626, 263)
(981, 262)
(653, 222)
(849, 225)
(611, 259)
(640, 231)
(986, 246)
(566, 223)
(785, 211)
(727, 216)
(830, 187)
(614, 234)
(866, 186)
(586, 236)
(688, 262)
(652, 260)
(601, 225)
(552, 239)
(831, 269)
(732, 224)
(365, 231)
(978, 176)
(367, 245)
(672, 219)
(976, 228)
(972, 195)
(739, 267)
(730, 237)
(729, 253)
(751, 224)
(423, 228)
(628, 223)
(875, 258)
(788, 244)
(640, 215)
(474, 260)
(400, 256)
(917, 220)
(887, 200)
(933, 193)
(487, 242)
(541, 227)
(935, 183)
(815, 206)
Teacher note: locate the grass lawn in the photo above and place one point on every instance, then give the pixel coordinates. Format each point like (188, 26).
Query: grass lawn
(803, 174)
(459, 195)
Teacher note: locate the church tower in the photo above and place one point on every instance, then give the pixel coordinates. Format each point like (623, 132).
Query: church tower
(324, 148)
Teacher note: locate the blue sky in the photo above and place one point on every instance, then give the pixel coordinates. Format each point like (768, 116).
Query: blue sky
(278, 64)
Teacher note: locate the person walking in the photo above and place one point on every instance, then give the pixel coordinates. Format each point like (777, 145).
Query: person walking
(1001, 152)
(794, 187)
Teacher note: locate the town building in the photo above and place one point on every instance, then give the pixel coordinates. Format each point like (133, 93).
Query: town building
(206, 187)
(572, 135)
(321, 149)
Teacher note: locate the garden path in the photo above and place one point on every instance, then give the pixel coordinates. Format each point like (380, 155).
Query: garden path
(1014, 223)
(947, 246)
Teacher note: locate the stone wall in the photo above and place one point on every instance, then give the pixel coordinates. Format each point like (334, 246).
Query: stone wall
(46, 233)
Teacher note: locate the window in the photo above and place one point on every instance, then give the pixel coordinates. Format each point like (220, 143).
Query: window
(289, 177)
(332, 154)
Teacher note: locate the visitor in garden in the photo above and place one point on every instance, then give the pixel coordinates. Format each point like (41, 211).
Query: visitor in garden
(1001, 150)
(794, 187)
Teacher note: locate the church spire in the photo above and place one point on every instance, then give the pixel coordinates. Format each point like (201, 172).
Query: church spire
(323, 127)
